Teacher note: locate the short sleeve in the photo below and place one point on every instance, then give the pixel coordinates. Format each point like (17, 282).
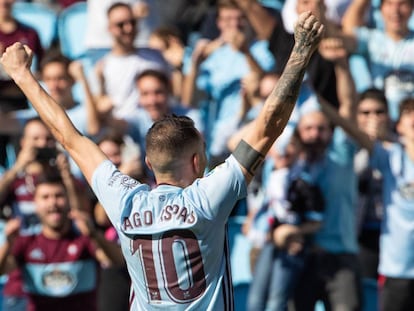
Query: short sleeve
(219, 190)
(111, 187)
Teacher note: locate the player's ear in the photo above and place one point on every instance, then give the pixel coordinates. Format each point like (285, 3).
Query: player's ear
(147, 161)
(197, 165)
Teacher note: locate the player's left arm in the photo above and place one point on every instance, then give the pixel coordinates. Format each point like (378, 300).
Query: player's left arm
(278, 107)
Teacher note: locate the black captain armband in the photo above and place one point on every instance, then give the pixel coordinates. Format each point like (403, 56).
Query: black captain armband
(249, 158)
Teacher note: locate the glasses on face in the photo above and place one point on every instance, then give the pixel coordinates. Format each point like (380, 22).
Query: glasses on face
(122, 24)
(368, 112)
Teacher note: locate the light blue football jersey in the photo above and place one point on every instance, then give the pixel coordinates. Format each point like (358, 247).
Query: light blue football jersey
(391, 64)
(397, 230)
(174, 239)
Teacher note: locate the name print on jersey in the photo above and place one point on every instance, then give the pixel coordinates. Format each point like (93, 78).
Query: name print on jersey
(169, 213)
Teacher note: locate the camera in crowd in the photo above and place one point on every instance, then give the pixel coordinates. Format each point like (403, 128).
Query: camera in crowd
(305, 197)
(46, 155)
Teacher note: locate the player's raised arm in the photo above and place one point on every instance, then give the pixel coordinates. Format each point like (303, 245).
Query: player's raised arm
(280, 103)
(16, 61)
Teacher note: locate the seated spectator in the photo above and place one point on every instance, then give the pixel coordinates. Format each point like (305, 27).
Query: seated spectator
(65, 278)
(373, 119)
(12, 31)
(38, 155)
(59, 76)
(169, 42)
(11, 97)
(117, 70)
(98, 39)
(388, 52)
(394, 161)
(335, 10)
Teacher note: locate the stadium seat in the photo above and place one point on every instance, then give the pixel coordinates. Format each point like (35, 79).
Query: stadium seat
(71, 30)
(40, 17)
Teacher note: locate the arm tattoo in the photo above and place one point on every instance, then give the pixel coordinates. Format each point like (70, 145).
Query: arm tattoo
(283, 97)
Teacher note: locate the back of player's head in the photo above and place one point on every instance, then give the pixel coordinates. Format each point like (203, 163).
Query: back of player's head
(169, 139)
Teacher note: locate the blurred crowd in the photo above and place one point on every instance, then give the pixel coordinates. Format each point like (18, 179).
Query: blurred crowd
(333, 204)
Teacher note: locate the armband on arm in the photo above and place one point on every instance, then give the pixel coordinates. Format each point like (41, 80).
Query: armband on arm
(249, 158)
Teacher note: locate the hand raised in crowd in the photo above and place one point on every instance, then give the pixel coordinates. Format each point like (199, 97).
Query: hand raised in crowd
(27, 155)
(63, 165)
(333, 49)
(250, 87)
(104, 104)
(141, 10)
(203, 49)
(11, 229)
(237, 39)
(174, 52)
(250, 83)
(76, 70)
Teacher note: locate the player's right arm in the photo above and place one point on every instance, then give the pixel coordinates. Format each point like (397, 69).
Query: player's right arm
(16, 60)
(279, 105)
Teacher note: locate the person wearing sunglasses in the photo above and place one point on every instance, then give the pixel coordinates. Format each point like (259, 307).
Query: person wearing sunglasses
(117, 70)
(373, 119)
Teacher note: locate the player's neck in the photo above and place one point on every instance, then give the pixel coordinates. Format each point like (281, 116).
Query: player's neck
(177, 182)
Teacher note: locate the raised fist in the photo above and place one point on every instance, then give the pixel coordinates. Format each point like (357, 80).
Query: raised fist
(16, 58)
(308, 33)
